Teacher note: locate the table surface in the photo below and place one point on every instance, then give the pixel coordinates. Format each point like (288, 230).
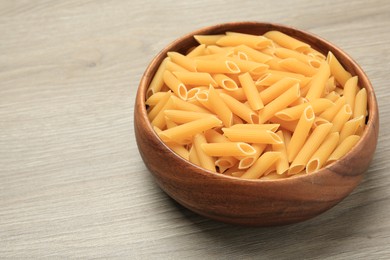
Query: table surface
(72, 183)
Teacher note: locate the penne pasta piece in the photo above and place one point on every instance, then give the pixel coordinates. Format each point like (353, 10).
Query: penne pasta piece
(251, 92)
(287, 41)
(159, 120)
(225, 82)
(182, 116)
(251, 135)
(158, 107)
(240, 109)
(332, 96)
(197, 51)
(175, 85)
(253, 54)
(337, 70)
(262, 164)
(286, 125)
(295, 66)
(301, 132)
(360, 108)
(285, 53)
(182, 105)
(208, 39)
(188, 130)
(217, 66)
(350, 90)
(182, 60)
(295, 112)
(212, 136)
(341, 118)
(282, 165)
(318, 83)
(205, 160)
(155, 98)
(193, 157)
(311, 145)
(157, 81)
(271, 127)
(254, 68)
(320, 157)
(173, 67)
(343, 148)
(180, 150)
(228, 149)
(276, 89)
(248, 161)
(220, 108)
(279, 103)
(351, 127)
(225, 162)
(331, 112)
(195, 78)
(235, 39)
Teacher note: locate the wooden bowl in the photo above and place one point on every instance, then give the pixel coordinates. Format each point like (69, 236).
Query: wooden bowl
(254, 202)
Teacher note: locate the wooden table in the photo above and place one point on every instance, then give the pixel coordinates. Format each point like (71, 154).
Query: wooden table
(72, 183)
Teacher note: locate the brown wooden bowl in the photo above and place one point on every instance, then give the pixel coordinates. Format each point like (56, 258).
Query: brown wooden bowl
(254, 202)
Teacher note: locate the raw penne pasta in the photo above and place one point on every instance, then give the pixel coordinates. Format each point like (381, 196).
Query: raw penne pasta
(251, 92)
(182, 116)
(295, 112)
(157, 81)
(195, 78)
(228, 149)
(282, 165)
(205, 160)
(337, 70)
(320, 157)
(251, 135)
(175, 85)
(235, 39)
(360, 107)
(240, 109)
(217, 66)
(225, 82)
(220, 108)
(279, 103)
(208, 39)
(296, 66)
(345, 146)
(318, 83)
(187, 130)
(301, 132)
(311, 145)
(262, 164)
(256, 106)
(351, 127)
(248, 161)
(287, 41)
(182, 61)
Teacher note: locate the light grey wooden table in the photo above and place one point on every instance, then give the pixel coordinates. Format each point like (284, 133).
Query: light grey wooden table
(72, 183)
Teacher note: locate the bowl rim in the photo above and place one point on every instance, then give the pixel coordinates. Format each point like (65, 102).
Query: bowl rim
(372, 105)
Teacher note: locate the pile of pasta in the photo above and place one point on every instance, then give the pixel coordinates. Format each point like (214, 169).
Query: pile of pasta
(256, 106)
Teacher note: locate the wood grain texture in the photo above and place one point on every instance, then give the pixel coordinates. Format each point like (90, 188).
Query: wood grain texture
(72, 183)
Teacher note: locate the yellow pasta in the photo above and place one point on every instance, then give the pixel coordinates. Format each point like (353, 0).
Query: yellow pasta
(228, 149)
(256, 106)
(182, 61)
(262, 164)
(205, 160)
(251, 135)
(308, 149)
(287, 41)
(337, 70)
(175, 85)
(301, 132)
(250, 91)
(195, 78)
(320, 157)
(345, 146)
(279, 103)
